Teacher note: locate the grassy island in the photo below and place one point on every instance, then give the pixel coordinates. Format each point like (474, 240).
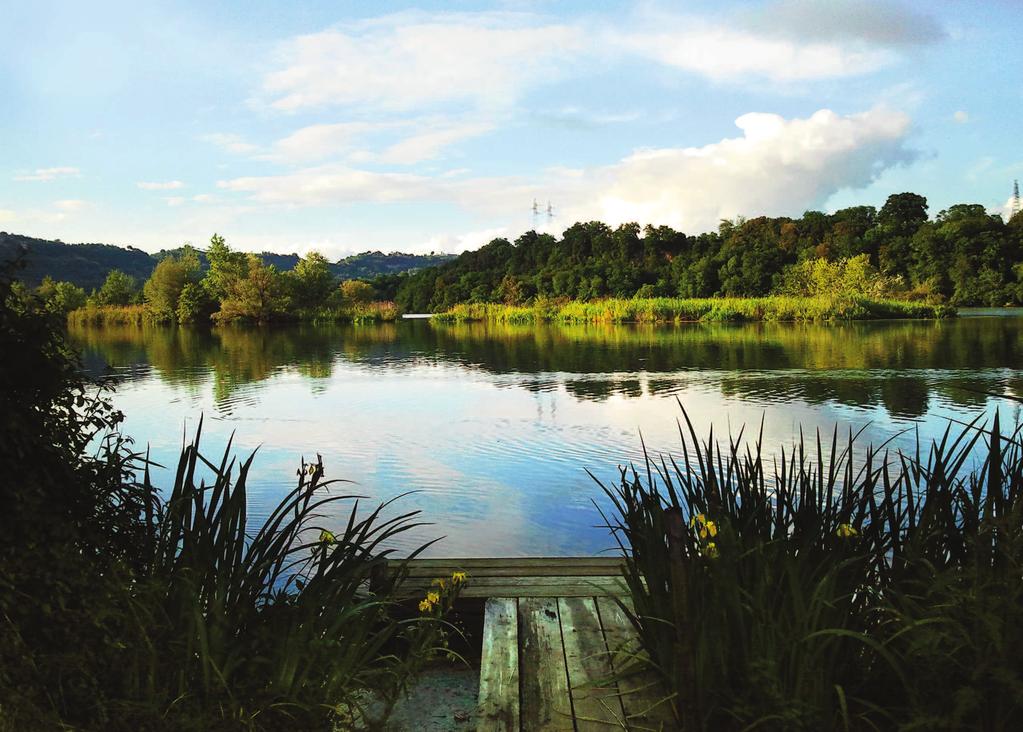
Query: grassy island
(680, 310)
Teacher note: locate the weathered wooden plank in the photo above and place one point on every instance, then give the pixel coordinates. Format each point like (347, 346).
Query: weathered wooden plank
(595, 700)
(643, 698)
(499, 668)
(528, 586)
(559, 570)
(545, 700)
(470, 562)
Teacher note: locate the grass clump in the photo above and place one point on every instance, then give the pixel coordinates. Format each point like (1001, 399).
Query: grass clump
(715, 309)
(123, 607)
(108, 315)
(830, 589)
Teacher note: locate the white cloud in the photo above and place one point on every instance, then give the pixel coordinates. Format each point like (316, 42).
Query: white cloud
(411, 60)
(428, 144)
(168, 185)
(50, 173)
(321, 141)
(961, 116)
(458, 243)
(230, 142)
(776, 167)
(174, 200)
(1005, 210)
(6, 215)
(69, 205)
(724, 53)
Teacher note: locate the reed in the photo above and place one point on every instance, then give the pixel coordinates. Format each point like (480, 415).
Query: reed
(676, 310)
(108, 315)
(830, 587)
(288, 625)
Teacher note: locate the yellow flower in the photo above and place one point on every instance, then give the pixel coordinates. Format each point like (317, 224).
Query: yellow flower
(432, 597)
(439, 583)
(327, 536)
(712, 528)
(459, 577)
(846, 531)
(712, 550)
(697, 519)
(425, 606)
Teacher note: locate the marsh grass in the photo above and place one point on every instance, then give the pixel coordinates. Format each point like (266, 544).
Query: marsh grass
(108, 315)
(830, 587)
(272, 628)
(116, 315)
(677, 310)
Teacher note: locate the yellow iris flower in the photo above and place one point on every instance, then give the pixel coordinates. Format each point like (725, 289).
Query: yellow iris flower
(459, 577)
(846, 531)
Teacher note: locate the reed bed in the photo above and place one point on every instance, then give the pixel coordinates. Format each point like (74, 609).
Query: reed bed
(109, 315)
(829, 587)
(366, 312)
(678, 310)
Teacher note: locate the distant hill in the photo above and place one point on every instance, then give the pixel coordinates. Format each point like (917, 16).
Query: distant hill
(87, 265)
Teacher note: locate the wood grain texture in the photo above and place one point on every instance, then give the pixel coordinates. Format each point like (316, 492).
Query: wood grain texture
(499, 668)
(595, 699)
(643, 699)
(545, 700)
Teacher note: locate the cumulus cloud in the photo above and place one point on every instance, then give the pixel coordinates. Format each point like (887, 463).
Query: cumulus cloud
(411, 60)
(776, 167)
(319, 141)
(50, 173)
(428, 143)
(168, 185)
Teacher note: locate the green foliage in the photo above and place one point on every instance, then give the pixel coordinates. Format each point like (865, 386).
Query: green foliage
(126, 608)
(226, 267)
(356, 291)
(163, 289)
(311, 281)
(854, 276)
(675, 310)
(117, 289)
(61, 297)
(845, 591)
(965, 256)
(260, 296)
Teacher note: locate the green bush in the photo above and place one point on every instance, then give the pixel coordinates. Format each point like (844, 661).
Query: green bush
(126, 608)
(844, 591)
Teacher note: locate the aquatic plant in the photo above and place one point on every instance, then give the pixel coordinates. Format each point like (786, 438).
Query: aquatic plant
(837, 589)
(677, 310)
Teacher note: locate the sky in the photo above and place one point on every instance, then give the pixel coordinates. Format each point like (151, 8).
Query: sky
(347, 126)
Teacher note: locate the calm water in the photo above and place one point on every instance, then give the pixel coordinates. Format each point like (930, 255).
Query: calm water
(494, 426)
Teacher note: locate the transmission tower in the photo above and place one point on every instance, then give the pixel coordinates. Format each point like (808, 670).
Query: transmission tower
(1015, 199)
(550, 214)
(536, 213)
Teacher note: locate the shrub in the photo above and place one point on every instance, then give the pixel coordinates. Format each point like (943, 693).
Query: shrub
(845, 591)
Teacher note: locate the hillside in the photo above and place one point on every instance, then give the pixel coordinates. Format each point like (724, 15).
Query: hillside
(87, 265)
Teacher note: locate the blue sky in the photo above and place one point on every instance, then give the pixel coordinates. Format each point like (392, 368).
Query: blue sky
(346, 126)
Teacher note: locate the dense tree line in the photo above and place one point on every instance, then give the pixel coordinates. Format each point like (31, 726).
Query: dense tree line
(965, 256)
(88, 265)
(219, 285)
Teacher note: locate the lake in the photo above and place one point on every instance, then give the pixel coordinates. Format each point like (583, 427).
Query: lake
(494, 426)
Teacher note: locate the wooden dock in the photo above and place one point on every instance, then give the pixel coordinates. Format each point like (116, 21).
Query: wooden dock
(555, 642)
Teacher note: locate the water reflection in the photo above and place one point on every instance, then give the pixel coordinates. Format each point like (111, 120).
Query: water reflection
(899, 366)
(493, 427)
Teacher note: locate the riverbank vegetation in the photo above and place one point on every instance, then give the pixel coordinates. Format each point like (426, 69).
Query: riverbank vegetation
(964, 256)
(233, 287)
(679, 310)
(832, 587)
(126, 607)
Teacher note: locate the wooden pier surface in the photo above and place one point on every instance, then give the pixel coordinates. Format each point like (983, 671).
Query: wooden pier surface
(556, 644)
